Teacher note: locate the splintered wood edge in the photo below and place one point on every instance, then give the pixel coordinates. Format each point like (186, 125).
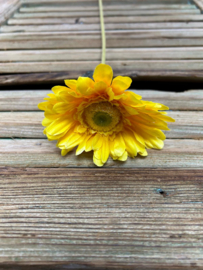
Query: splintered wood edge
(7, 7)
(199, 4)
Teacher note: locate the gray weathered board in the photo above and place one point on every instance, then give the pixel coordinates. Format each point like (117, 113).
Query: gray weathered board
(44, 40)
(61, 213)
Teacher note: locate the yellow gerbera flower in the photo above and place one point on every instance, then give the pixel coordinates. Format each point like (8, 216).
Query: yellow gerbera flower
(100, 115)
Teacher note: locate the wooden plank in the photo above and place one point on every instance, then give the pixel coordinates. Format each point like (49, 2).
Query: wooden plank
(87, 218)
(95, 54)
(177, 153)
(27, 100)
(169, 2)
(64, 7)
(115, 19)
(93, 230)
(79, 28)
(76, 21)
(148, 32)
(134, 65)
(188, 125)
(84, 29)
(108, 13)
(7, 7)
(58, 77)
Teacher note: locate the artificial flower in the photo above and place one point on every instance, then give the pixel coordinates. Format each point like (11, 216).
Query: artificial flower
(100, 115)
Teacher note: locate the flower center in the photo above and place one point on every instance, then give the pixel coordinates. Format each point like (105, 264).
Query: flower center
(102, 119)
(102, 116)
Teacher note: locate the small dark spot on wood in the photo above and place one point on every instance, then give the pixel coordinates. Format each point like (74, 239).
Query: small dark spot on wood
(162, 192)
(38, 143)
(176, 236)
(77, 20)
(29, 235)
(193, 264)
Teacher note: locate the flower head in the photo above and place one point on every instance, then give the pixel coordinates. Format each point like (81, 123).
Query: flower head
(100, 115)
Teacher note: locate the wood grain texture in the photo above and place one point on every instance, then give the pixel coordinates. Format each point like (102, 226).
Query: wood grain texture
(118, 39)
(171, 2)
(91, 26)
(108, 13)
(27, 100)
(95, 54)
(77, 24)
(59, 77)
(122, 19)
(177, 153)
(143, 214)
(149, 219)
(130, 65)
(68, 7)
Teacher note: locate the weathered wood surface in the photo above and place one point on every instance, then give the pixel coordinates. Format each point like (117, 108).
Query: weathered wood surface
(88, 26)
(31, 17)
(68, 40)
(59, 8)
(145, 213)
(89, 65)
(95, 54)
(140, 2)
(102, 218)
(66, 25)
(58, 77)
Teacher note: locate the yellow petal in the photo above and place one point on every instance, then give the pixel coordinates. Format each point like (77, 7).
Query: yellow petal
(97, 161)
(153, 142)
(100, 87)
(82, 145)
(118, 146)
(64, 96)
(124, 157)
(97, 142)
(71, 84)
(120, 84)
(103, 73)
(54, 137)
(80, 129)
(56, 89)
(61, 107)
(66, 151)
(59, 126)
(42, 106)
(105, 150)
(88, 146)
(130, 143)
(46, 122)
(50, 113)
(144, 153)
(84, 84)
